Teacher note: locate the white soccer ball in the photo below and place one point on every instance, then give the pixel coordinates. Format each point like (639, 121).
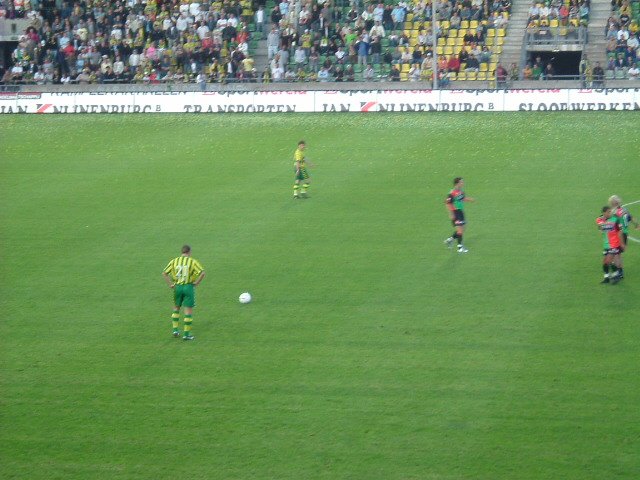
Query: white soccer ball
(245, 297)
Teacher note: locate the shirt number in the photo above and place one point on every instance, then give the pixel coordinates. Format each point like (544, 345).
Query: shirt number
(182, 271)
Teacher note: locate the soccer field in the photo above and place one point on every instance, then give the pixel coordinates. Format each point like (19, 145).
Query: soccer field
(370, 350)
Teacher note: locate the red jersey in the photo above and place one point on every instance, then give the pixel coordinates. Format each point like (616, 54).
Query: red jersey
(609, 228)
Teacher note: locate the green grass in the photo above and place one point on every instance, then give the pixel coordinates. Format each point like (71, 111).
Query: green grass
(369, 351)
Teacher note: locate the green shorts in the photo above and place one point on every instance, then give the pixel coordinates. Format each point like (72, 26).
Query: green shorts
(302, 174)
(184, 295)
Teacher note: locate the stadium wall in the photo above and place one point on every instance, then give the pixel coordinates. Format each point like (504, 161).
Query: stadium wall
(615, 99)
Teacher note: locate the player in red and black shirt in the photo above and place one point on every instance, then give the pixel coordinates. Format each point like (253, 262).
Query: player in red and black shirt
(455, 207)
(613, 245)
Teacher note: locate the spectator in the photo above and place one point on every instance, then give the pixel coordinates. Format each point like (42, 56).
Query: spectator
(414, 72)
(398, 15)
(472, 64)
(349, 74)
(501, 76)
(323, 74)
(273, 42)
(259, 19)
(634, 72)
(369, 73)
(83, 78)
(362, 49)
(394, 75)
(549, 72)
(514, 73)
(598, 75)
(377, 30)
(300, 57)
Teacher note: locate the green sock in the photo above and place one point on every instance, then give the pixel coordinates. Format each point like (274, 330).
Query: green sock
(187, 325)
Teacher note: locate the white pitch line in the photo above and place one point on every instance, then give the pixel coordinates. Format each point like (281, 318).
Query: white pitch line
(637, 240)
(631, 203)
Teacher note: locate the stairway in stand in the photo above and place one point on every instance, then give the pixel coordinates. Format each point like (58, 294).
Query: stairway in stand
(512, 48)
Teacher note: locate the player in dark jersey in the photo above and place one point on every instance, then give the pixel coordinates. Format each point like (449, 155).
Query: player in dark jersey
(612, 246)
(615, 202)
(455, 207)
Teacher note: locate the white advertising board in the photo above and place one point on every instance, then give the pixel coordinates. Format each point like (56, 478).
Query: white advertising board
(323, 101)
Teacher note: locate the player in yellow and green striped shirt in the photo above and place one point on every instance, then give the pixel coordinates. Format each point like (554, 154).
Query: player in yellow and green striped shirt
(182, 274)
(301, 173)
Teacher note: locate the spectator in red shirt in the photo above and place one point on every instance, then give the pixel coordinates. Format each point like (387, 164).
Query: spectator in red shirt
(454, 64)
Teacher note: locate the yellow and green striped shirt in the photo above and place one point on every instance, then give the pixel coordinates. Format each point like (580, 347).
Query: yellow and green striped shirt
(298, 157)
(183, 270)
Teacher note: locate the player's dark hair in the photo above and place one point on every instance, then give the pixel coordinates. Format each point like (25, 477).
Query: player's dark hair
(457, 180)
(605, 208)
(302, 142)
(186, 249)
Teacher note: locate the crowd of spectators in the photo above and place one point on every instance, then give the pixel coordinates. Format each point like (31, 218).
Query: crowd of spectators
(140, 41)
(392, 41)
(153, 41)
(559, 13)
(622, 32)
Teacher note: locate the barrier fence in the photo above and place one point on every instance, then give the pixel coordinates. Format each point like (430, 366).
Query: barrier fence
(619, 99)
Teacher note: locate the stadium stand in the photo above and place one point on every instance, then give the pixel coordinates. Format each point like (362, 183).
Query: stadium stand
(165, 41)
(622, 33)
(133, 41)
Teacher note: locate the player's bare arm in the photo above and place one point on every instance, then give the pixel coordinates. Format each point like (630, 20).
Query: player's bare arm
(167, 279)
(199, 279)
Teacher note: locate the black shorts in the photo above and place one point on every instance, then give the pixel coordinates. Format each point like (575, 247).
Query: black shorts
(611, 251)
(458, 218)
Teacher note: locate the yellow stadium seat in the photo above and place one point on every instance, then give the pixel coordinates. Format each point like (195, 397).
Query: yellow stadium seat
(501, 32)
(463, 65)
(448, 50)
(413, 42)
(451, 41)
(493, 66)
(442, 41)
(489, 41)
(471, 75)
(505, 15)
(445, 25)
(482, 75)
(415, 33)
(462, 32)
(459, 42)
(473, 24)
(409, 17)
(553, 23)
(440, 50)
(452, 76)
(464, 24)
(497, 49)
(426, 25)
(499, 41)
(405, 68)
(494, 59)
(404, 76)
(484, 67)
(462, 75)
(491, 32)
